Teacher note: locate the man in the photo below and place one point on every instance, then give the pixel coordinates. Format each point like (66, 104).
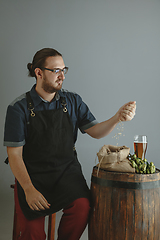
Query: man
(40, 133)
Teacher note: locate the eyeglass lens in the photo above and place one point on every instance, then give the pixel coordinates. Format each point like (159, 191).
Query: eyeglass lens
(59, 71)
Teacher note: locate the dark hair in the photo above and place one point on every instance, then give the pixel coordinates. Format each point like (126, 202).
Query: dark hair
(40, 58)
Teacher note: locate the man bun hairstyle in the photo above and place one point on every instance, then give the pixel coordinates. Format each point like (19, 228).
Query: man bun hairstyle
(30, 70)
(40, 58)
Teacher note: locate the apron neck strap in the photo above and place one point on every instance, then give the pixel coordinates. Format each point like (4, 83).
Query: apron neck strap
(64, 104)
(30, 104)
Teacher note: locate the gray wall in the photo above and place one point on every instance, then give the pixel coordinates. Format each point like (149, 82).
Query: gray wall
(112, 48)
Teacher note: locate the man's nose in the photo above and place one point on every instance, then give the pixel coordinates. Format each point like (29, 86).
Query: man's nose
(62, 75)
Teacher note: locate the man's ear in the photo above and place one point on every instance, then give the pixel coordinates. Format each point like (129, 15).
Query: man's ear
(38, 72)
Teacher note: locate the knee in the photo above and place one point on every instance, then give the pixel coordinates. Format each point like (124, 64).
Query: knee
(81, 206)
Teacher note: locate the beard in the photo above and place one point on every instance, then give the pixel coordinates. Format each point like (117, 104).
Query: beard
(49, 88)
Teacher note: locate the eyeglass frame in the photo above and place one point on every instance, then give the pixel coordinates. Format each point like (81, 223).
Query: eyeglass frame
(55, 69)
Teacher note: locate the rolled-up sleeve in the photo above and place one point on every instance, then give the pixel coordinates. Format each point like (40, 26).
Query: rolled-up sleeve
(86, 119)
(14, 130)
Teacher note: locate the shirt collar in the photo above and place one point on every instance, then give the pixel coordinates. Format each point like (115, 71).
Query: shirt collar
(37, 99)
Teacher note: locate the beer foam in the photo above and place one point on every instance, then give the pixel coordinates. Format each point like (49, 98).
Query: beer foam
(140, 139)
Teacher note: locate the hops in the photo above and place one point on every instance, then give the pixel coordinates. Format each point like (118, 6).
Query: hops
(141, 166)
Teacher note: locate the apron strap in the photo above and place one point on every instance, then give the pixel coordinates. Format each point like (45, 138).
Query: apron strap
(64, 104)
(30, 104)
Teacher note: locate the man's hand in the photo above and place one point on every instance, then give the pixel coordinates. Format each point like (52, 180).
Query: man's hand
(35, 199)
(126, 112)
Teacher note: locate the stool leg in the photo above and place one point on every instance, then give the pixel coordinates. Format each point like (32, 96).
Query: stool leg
(51, 226)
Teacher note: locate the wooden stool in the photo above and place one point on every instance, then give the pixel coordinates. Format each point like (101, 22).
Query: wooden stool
(51, 225)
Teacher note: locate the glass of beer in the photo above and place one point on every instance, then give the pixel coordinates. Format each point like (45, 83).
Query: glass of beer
(140, 146)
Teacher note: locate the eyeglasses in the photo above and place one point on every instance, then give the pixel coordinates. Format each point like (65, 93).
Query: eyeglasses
(58, 71)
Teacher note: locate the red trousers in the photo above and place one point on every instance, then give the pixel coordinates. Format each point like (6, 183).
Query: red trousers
(71, 227)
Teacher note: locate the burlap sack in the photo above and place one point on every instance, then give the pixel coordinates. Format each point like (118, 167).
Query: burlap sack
(113, 158)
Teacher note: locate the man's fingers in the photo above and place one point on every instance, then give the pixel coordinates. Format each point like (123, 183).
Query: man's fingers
(38, 202)
(127, 115)
(31, 207)
(128, 111)
(39, 206)
(44, 202)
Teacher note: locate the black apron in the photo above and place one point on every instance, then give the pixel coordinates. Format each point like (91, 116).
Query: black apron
(51, 160)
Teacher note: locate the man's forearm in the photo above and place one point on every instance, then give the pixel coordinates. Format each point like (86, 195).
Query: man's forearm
(18, 167)
(125, 113)
(34, 198)
(102, 129)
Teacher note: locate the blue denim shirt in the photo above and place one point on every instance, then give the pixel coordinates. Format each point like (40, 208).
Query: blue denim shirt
(17, 117)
